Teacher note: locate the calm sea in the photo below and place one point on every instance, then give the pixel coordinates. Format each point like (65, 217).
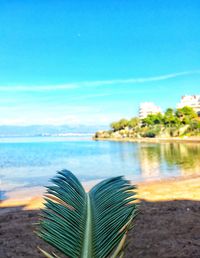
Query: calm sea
(33, 161)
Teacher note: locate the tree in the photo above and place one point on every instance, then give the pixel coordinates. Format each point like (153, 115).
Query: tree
(147, 121)
(87, 225)
(194, 127)
(133, 122)
(186, 114)
(115, 126)
(169, 112)
(121, 124)
(169, 118)
(153, 119)
(157, 118)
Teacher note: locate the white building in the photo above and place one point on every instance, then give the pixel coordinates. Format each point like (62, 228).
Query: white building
(148, 108)
(190, 101)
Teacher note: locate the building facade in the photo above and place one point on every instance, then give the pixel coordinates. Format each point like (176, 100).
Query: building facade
(190, 101)
(148, 108)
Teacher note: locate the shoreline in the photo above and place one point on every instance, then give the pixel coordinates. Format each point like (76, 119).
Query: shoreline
(160, 189)
(151, 140)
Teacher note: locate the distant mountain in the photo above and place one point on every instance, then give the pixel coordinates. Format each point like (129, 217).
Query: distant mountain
(45, 130)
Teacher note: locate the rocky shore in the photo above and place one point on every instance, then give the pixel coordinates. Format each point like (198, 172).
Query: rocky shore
(145, 139)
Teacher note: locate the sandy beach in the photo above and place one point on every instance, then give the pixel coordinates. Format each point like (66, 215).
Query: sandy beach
(168, 224)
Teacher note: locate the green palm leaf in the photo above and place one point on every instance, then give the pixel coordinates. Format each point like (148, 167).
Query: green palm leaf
(87, 225)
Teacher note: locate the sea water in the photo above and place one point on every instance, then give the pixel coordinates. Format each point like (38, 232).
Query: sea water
(28, 162)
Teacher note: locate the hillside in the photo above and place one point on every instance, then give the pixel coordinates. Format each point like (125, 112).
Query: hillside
(173, 123)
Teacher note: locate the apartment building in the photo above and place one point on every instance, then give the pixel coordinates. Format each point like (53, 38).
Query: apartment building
(148, 108)
(190, 101)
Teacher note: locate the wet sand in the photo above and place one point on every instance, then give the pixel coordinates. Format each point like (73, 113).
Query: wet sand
(168, 224)
(175, 188)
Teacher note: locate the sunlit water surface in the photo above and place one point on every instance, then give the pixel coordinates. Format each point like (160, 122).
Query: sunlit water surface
(28, 162)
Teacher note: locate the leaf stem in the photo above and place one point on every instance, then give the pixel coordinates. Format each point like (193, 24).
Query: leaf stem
(87, 241)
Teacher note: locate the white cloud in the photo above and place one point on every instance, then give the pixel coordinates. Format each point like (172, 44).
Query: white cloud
(142, 79)
(33, 88)
(75, 85)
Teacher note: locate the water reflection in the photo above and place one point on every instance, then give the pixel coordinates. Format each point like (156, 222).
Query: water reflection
(156, 159)
(150, 157)
(185, 156)
(27, 164)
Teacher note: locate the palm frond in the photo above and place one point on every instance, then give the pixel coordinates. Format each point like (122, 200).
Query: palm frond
(113, 210)
(62, 225)
(88, 225)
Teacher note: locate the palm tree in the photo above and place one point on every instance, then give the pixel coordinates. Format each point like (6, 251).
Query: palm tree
(87, 225)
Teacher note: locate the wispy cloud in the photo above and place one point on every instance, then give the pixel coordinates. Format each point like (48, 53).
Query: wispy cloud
(33, 88)
(149, 79)
(75, 85)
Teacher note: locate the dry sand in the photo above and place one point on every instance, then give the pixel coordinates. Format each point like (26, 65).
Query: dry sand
(168, 224)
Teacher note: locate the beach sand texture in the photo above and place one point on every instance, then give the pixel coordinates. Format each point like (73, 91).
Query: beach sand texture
(168, 224)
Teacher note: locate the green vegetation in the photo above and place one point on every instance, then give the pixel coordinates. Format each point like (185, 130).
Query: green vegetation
(173, 123)
(87, 225)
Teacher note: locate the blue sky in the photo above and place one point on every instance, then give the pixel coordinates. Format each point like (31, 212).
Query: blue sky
(92, 62)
